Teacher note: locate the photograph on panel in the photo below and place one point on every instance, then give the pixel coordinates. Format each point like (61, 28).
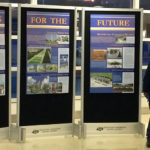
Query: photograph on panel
(51, 67)
(2, 84)
(124, 39)
(98, 54)
(114, 63)
(127, 85)
(2, 59)
(63, 60)
(101, 79)
(54, 39)
(39, 55)
(114, 52)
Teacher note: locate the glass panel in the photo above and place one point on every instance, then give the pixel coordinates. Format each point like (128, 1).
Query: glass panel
(14, 20)
(14, 53)
(14, 84)
(146, 26)
(101, 3)
(78, 58)
(146, 53)
(78, 84)
(79, 20)
(145, 4)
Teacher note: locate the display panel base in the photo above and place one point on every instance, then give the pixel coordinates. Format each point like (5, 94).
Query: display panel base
(48, 130)
(98, 129)
(3, 133)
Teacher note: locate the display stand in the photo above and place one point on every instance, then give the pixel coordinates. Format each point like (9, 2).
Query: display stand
(111, 82)
(46, 55)
(5, 65)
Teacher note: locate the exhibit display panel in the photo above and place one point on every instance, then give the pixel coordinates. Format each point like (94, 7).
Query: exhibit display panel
(46, 50)
(111, 85)
(5, 63)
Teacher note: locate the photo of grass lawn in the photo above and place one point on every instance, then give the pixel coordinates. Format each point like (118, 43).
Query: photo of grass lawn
(51, 68)
(39, 55)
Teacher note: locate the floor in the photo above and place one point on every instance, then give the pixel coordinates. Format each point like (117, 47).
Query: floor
(92, 143)
(117, 142)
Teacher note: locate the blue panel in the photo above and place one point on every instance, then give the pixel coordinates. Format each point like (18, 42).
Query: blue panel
(14, 84)
(14, 53)
(78, 85)
(78, 59)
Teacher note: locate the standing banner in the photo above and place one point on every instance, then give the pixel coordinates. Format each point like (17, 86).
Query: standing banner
(5, 64)
(112, 71)
(46, 69)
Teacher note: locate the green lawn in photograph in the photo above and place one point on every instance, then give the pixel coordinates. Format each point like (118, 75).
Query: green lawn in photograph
(37, 59)
(107, 75)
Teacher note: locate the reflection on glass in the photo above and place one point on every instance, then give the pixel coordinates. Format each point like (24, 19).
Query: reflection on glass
(14, 20)
(145, 4)
(146, 26)
(15, 1)
(146, 53)
(78, 53)
(101, 3)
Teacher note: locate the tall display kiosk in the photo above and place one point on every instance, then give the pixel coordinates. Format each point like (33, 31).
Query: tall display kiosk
(5, 65)
(111, 71)
(46, 70)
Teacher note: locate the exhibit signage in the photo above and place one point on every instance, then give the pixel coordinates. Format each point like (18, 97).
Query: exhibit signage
(112, 53)
(112, 66)
(46, 65)
(4, 65)
(47, 52)
(2, 53)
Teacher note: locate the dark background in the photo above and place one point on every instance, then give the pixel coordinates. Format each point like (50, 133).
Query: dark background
(111, 107)
(4, 100)
(44, 108)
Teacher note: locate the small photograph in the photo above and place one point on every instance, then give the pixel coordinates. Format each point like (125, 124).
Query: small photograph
(114, 63)
(51, 67)
(2, 39)
(98, 54)
(55, 87)
(31, 68)
(42, 85)
(37, 84)
(64, 61)
(121, 39)
(33, 85)
(122, 87)
(2, 84)
(55, 39)
(41, 68)
(63, 39)
(45, 88)
(101, 80)
(2, 59)
(59, 87)
(39, 55)
(114, 52)
(51, 39)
